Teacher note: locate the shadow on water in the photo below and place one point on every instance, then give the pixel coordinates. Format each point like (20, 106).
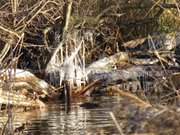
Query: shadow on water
(79, 120)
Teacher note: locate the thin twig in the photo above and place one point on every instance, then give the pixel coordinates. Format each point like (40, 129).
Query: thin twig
(64, 34)
(10, 31)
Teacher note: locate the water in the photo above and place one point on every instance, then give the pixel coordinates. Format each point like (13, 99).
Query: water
(54, 120)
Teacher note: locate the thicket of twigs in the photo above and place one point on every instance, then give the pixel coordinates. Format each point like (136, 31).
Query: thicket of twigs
(30, 30)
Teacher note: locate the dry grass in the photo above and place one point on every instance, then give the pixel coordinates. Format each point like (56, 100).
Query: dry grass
(112, 23)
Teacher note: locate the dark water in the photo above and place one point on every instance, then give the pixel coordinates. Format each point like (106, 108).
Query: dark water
(78, 121)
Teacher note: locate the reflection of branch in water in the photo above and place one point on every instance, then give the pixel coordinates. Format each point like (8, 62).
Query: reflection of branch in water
(20, 129)
(3, 132)
(116, 123)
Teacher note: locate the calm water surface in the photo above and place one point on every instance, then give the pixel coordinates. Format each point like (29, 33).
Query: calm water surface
(78, 121)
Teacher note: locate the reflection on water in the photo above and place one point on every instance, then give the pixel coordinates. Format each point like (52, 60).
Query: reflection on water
(78, 121)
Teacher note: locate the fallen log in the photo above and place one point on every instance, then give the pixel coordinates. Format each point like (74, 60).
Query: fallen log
(106, 64)
(88, 89)
(22, 88)
(131, 97)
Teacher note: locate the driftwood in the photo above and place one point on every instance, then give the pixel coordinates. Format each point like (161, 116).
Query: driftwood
(88, 89)
(25, 78)
(25, 89)
(104, 71)
(134, 99)
(106, 64)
